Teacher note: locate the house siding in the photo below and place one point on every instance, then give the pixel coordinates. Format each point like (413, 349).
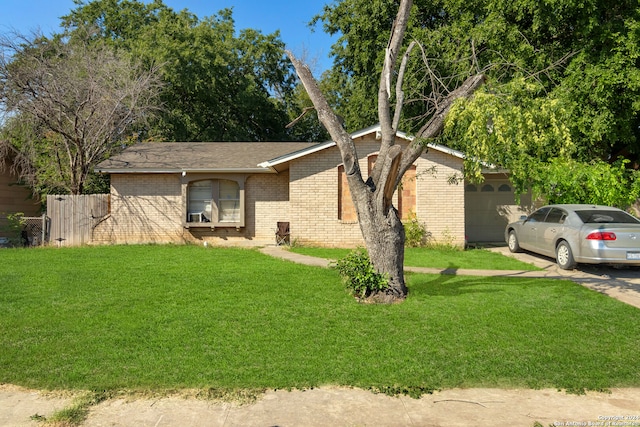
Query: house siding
(149, 208)
(145, 208)
(314, 198)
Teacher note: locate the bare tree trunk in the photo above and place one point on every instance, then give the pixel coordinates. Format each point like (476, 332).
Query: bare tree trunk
(381, 227)
(384, 238)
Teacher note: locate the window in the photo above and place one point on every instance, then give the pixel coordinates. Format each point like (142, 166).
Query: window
(487, 188)
(406, 191)
(606, 216)
(200, 201)
(215, 201)
(556, 216)
(504, 187)
(539, 215)
(228, 201)
(346, 209)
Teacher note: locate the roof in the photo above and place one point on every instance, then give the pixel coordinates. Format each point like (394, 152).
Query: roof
(171, 157)
(226, 157)
(305, 151)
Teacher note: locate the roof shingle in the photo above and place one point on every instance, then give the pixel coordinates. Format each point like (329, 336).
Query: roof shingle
(201, 156)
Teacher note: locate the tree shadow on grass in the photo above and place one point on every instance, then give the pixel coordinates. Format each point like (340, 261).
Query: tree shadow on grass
(447, 285)
(453, 285)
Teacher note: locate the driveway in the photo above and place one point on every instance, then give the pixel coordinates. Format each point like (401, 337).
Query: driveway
(621, 283)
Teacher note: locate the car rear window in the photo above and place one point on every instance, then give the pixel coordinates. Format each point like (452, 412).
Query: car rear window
(610, 217)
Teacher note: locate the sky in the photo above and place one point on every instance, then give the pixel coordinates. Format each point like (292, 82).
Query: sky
(291, 17)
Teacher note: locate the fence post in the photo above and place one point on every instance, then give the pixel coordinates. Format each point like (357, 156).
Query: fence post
(44, 229)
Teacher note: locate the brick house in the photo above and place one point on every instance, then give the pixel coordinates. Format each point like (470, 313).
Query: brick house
(236, 192)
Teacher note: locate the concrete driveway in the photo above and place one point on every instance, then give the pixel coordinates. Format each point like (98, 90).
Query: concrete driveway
(621, 283)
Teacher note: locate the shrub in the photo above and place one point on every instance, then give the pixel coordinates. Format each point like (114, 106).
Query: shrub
(359, 275)
(415, 232)
(13, 229)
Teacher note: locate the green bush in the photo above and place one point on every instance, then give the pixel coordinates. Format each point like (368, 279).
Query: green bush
(13, 228)
(359, 275)
(415, 232)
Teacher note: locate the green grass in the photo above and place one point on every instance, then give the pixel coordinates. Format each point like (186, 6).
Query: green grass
(177, 317)
(480, 259)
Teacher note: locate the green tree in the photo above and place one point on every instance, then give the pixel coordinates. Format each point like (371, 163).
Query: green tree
(68, 104)
(218, 85)
(576, 60)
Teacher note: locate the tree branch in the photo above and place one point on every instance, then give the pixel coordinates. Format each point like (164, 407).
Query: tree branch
(387, 129)
(297, 119)
(399, 82)
(330, 121)
(435, 125)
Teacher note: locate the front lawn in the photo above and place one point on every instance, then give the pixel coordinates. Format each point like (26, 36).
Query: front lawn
(478, 259)
(175, 317)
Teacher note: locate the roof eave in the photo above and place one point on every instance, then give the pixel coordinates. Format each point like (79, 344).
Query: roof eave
(296, 154)
(185, 170)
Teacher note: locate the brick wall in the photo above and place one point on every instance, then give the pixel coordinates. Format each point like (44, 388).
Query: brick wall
(314, 197)
(15, 198)
(440, 205)
(149, 208)
(267, 203)
(145, 208)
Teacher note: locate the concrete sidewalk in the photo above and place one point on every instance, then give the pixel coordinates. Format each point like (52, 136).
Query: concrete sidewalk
(336, 406)
(622, 284)
(339, 406)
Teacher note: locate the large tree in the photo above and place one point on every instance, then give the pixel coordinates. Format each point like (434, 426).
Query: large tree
(380, 223)
(585, 50)
(220, 85)
(67, 104)
(571, 66)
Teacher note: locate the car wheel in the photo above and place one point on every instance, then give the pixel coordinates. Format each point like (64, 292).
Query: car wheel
(512, 242)
(564, 256)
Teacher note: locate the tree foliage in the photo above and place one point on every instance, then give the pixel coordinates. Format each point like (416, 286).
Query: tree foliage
(219, 85)
(515, 127)
(595, 182)
(68, 104)
(569, 71)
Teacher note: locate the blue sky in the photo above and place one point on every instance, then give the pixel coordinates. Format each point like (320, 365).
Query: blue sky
(289, 16)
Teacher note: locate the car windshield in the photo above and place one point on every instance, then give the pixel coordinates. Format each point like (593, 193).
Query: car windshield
(603, 216)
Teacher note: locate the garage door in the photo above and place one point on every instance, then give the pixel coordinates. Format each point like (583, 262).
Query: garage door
(489, 207)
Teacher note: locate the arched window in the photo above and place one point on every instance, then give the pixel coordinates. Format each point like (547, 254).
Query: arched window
(470, 188)
(487, 188)
(505, 188)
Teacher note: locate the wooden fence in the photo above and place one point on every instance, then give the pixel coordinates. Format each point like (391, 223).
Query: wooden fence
(73, 218)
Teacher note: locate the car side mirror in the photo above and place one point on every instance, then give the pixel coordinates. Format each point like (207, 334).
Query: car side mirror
(523, 217)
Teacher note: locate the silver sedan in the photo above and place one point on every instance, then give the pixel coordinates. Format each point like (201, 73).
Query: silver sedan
(578, 234)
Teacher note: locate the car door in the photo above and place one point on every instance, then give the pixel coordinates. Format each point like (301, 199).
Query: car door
(548, 231)
(528, 237)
